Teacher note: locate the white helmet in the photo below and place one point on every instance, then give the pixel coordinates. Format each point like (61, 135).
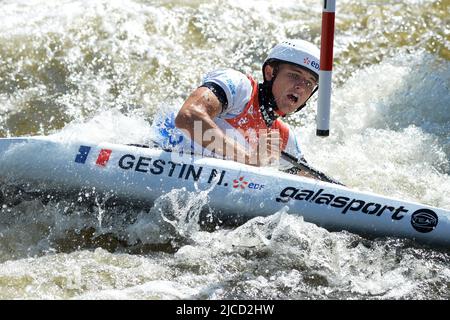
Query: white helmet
(299, 52)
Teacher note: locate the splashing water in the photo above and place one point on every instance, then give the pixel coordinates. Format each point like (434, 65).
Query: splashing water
(102, 70)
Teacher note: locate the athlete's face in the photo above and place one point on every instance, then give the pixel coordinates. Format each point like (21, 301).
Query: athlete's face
(292, 86)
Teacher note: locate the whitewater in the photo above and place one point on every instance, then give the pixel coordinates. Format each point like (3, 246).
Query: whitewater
(103, 70)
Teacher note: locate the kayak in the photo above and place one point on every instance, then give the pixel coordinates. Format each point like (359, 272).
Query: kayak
(139, 174)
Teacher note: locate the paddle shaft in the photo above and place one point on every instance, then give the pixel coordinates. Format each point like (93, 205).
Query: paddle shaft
(307, 168)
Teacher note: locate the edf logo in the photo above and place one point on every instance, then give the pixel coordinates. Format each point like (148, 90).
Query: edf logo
(315, 65)
(102, 159)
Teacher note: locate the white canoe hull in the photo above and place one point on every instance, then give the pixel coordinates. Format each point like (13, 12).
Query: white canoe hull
(144, 174)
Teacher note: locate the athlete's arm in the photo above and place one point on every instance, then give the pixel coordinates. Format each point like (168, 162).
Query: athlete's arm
(197, 113)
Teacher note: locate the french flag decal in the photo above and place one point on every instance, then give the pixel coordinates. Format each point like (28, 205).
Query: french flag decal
(82, 155)
(103, 157)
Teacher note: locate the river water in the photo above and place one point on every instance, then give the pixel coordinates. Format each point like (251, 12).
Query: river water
(101, 70)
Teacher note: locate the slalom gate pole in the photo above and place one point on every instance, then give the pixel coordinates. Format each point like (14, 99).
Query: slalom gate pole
(326, 67)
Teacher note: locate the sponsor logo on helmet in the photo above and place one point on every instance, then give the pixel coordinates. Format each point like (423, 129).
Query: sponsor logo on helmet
(315, 65)
(231, 86)
(312, 63)
(424, 220)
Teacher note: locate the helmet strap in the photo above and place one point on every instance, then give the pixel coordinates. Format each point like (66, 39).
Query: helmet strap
(303, 105)
(267, 103)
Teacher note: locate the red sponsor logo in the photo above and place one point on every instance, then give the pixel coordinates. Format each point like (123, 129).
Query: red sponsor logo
(240, 183)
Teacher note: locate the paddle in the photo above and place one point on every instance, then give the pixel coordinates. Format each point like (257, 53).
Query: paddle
(307, 168)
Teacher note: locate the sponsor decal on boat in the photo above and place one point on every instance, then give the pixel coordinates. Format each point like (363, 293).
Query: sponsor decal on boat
(242, 184)
(424, 219)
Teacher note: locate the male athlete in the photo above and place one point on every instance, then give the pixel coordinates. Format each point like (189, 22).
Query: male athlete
(232, 116)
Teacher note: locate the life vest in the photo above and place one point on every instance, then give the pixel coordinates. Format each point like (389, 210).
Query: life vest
(250, 121)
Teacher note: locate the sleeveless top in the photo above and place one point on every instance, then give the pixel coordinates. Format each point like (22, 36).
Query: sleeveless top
(241, 119)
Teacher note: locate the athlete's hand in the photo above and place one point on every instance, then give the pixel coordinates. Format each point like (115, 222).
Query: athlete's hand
(267, 151)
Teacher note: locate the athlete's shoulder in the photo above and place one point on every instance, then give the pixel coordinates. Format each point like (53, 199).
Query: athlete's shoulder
(236, 85)
(225, 72)
(231, 79)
